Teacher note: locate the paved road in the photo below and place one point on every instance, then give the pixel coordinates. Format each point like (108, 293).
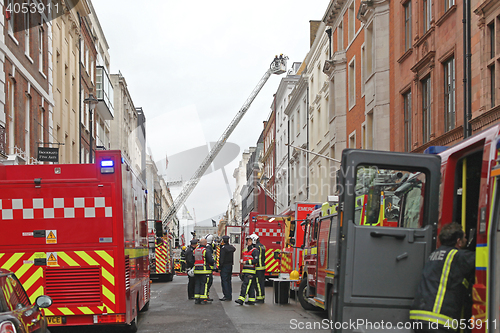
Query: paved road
(171, 311)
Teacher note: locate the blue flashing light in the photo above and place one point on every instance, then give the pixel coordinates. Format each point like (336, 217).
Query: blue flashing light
(435, 149)
(107, 163)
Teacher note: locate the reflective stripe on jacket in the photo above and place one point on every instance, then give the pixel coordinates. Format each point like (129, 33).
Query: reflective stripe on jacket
(202, 261)
(444, 289)
(250, 259)
(261, 264)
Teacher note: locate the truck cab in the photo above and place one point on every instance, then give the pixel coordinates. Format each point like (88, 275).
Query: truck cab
(366, 253)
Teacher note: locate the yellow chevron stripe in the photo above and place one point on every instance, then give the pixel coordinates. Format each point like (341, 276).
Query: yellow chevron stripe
(109, 309)
(88, 259)
(20, 272)
(273, 267)
(48, 312)
(1, 255)
(108, 294)
(109, 259)
(66, 311)
(85, 310)
(67, 259)
(108, 276)
(38, 292)
(15, 257)
(33, 278)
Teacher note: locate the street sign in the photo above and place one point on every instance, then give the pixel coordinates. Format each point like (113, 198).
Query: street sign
(48, 154)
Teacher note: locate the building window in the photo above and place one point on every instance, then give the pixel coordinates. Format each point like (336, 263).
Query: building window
(407, 8)
(352, 140)
(369, 50)
(298, 121)
(27, 130)
(407, 119)
(363, 70)
(352, 83)
(492, 84)
(27, 33)
(87, 59)
(340, 36)
(426, 109)
(448, 4)
(449, 94)
(352, 17)
(426, 10)
(491, 30)
(40, 50)
(12, 117)
(369, 130)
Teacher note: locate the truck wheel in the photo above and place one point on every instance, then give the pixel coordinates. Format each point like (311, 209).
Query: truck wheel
(331, 306)
(303, 297)
(145, 307)
(132, 327)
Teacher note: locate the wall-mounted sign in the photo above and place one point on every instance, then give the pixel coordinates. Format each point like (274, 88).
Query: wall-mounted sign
(48, 154)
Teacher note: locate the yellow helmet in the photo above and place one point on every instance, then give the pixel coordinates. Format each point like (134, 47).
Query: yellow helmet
(294, 275)
(184, 247)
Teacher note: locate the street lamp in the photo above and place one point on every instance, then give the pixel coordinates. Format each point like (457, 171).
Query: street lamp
(92, 102)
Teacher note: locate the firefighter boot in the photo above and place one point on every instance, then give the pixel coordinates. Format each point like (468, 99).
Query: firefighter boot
(239, 301)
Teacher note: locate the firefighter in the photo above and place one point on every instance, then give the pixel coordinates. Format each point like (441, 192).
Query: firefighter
(183, 259)
(444, 292)
(260, 277)
(189, 265)
(202, 271)
(249, 261)
(210, 251)
(226, 268)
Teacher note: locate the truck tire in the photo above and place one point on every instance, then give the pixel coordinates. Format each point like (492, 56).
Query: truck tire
(331, 306)
(303, 297)
(145, 307)
(132, 327)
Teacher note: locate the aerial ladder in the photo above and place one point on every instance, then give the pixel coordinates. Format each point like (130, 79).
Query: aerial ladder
(278, 66)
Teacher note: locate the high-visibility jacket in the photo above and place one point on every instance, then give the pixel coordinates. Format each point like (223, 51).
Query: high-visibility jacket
(444, 289)
(261, 264)
(210, 252)
(250, 259)
(202, 261)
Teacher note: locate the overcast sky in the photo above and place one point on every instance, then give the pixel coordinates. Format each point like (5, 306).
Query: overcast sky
(192, 64)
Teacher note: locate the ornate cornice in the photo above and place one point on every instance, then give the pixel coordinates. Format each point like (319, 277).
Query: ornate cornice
(449, 137)
(486, 118)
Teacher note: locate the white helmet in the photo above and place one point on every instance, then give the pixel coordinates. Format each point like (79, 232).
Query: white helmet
(209, 238)
(254, 238)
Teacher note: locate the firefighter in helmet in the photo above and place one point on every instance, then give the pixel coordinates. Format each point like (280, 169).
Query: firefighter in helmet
(210, 251)
(260, 268)
(182, 260)
(202, 271)
(249, 261)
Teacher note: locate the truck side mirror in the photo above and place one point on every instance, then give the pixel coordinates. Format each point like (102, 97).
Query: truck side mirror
(159, 228)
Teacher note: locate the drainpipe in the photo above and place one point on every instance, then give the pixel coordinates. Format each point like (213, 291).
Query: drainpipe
(80, 91)
(307, 142)
(467, 70)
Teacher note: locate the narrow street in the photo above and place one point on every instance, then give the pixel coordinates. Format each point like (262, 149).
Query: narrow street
(171, 311)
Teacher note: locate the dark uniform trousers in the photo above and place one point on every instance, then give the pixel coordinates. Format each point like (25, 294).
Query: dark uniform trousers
(260, 285)
(191, 283)
(201, 286)
(248, 287)
(225, 276)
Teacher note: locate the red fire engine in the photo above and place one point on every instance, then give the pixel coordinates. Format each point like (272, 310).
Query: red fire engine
(293, 238)
(270, 229)
(78, 233)
(365, 263)
(161, 261)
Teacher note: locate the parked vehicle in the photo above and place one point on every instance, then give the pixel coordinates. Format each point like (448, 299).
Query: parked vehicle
(17, 314)
(78, 233)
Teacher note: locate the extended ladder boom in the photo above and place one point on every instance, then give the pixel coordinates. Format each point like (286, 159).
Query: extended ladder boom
(278, 66)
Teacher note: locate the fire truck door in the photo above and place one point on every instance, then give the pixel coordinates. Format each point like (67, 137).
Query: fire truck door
(381, 266)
